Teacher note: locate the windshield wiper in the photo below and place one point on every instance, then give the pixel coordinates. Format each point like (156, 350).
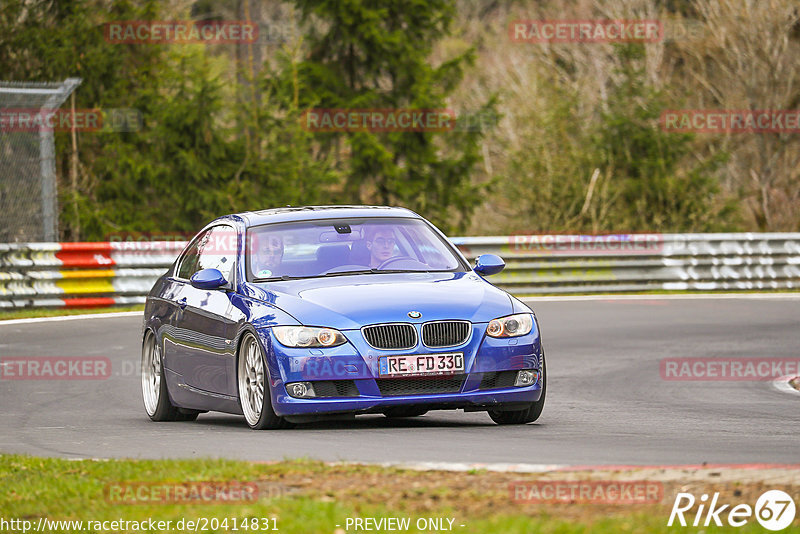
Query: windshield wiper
(341, 273)
(281, 278)
(321, 275)
(345, 273)
(380, 271)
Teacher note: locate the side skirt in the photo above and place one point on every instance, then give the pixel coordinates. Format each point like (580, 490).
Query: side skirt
(186, 396)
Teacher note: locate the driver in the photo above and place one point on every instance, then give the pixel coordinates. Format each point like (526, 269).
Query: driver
(269, 253)
(380, 243)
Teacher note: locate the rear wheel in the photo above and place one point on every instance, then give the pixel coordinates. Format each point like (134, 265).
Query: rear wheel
(154, 386)
(528, 415)
(253, 378)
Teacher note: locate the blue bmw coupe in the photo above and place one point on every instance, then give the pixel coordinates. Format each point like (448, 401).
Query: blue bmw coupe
(293, 314)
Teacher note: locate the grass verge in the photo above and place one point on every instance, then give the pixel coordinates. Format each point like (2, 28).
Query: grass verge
(310, 497)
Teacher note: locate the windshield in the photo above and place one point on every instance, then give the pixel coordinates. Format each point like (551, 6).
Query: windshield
(337, 247)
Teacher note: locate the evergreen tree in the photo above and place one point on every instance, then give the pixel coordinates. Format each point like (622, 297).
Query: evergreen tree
(377, 55)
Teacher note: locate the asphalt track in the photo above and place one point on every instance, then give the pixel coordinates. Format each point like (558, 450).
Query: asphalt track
(607, 402)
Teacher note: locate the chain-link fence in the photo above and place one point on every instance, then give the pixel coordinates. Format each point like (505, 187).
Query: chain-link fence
(28, 194)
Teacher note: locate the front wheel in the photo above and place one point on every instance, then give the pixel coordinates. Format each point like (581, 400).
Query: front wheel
(253, 378)
(529, 414)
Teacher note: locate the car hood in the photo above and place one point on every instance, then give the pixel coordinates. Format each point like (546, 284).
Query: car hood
(350, 302)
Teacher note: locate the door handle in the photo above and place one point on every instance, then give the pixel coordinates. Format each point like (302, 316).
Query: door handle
(182, 303)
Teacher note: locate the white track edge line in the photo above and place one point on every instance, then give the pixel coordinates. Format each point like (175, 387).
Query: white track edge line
(71, 317)
(564, 298)
(683, 296)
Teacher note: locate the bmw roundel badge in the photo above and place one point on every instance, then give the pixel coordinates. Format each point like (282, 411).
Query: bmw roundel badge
(414, 314)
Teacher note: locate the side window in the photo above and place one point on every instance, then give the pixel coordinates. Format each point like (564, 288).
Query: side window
(188, 265)
(217, 250)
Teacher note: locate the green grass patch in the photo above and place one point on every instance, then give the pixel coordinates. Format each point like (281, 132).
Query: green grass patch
(297, 496)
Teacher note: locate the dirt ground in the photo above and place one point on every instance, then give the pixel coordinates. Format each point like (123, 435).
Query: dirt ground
(483, 493)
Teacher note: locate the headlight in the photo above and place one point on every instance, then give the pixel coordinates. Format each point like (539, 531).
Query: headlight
(510, 326)
(308, 336)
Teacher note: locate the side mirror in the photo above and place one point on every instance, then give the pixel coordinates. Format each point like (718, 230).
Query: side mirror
(489, 264)
(208, 279)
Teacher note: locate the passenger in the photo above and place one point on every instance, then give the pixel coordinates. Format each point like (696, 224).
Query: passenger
(380, 242)
(268, 256)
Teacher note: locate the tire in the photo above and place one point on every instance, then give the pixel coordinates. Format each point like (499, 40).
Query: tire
(404, 411)
(528, 415)
(252, 378)
(154, 387)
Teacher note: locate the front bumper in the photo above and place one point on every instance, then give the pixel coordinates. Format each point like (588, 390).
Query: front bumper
(356, 364)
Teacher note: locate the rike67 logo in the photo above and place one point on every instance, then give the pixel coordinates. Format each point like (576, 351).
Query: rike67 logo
(774, 510)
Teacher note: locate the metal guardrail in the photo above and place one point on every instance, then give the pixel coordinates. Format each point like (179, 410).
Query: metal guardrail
(537, 264)
(76, 275)
(111, 273)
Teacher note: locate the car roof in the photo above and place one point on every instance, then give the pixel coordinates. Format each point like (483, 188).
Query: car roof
(304, 213)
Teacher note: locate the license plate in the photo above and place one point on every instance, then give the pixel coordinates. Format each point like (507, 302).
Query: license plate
(422, 364)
